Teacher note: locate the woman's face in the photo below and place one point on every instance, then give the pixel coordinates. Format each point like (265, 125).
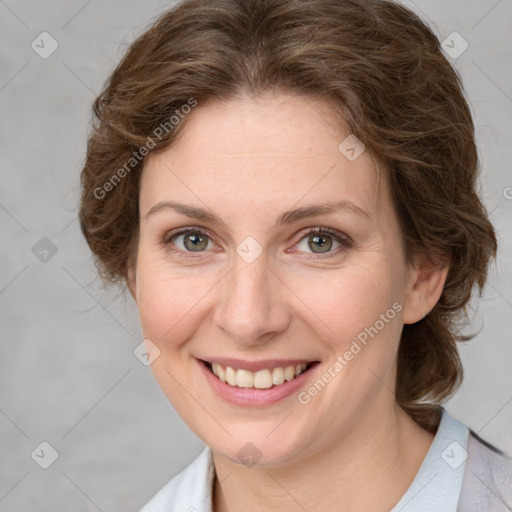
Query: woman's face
(250, 288)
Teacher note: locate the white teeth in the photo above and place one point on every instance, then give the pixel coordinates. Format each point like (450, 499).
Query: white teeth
(230, 376)
(244, 379)
(289, 372)
(262, 379)
(277, 376)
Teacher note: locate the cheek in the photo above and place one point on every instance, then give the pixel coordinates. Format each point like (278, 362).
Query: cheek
(169, 309)
(168, 300)
(349, 300)
(360, 309)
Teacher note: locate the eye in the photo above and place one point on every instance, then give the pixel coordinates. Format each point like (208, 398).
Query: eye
(322, 241)
(188, 240)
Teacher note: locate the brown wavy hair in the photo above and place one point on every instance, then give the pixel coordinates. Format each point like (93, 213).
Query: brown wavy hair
(386, 76)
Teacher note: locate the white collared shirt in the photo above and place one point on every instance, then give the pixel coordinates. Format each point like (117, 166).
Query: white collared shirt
(460, 473)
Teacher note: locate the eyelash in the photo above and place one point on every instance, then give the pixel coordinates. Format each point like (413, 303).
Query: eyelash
(343, 240)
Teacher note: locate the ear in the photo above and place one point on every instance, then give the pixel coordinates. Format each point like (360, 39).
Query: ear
(427, 279)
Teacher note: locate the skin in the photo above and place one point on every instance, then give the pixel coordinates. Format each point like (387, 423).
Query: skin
(248, 160)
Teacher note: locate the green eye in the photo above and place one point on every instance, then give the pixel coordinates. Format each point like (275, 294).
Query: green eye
(317, 243)
(193, 240)
(322, 241)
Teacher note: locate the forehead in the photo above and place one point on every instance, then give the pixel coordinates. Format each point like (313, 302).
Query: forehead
(276, 148)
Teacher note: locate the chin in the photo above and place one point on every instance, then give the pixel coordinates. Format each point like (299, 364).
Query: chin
(254, 447)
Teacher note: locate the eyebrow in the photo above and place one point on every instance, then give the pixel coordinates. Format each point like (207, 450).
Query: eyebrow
(287, 218)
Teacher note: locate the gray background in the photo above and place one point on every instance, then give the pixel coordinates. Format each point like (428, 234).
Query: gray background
(68, 374)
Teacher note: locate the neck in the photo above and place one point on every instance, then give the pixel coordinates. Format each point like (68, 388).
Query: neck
(368, 469)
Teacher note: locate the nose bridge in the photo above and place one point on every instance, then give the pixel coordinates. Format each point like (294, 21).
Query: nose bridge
(250, 306)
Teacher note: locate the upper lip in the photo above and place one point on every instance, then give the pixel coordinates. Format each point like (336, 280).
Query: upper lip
(256, 365)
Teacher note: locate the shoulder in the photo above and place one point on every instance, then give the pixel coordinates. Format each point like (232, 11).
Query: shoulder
(188, 491)
(487, 480)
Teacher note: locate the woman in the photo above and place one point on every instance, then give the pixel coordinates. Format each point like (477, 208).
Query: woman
(287, 188)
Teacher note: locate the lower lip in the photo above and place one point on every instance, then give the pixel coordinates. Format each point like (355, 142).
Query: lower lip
(252, 397)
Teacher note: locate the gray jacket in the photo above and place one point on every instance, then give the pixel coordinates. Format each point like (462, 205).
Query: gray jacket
(487, 480)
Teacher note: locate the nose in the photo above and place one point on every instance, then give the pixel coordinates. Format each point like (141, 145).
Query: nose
(252, 308)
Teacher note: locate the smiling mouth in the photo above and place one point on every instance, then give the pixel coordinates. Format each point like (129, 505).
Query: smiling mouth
(265, 378)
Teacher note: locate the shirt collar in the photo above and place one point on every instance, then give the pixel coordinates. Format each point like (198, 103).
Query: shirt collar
(438, 482)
